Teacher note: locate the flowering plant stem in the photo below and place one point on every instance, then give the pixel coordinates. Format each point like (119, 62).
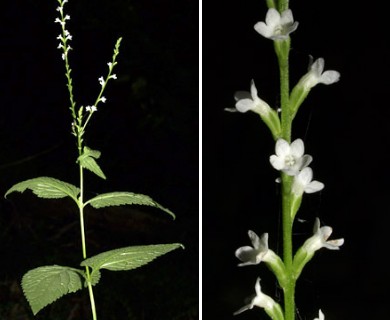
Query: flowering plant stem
(282, 49)
(83, 243)
(290, 160)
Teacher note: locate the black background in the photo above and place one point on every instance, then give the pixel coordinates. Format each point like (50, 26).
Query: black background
(345, 129)
(147, 132)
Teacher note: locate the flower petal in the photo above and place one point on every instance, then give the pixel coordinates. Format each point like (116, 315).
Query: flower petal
(287, 17)
(317, 67)
(272, 17)
(329, 77)
(255, 239)
(314, 186)
(276, 162)
(297, 148)
(253, 91)
(244, 105)
(247, 255)
(263, 29)
(282, 147)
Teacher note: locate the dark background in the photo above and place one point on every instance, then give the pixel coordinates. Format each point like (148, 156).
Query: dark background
(148, 135)
(345, 129)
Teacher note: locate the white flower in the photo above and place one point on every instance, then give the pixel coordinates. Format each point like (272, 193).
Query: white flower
(250, 101)
(113, 76)
(101, 81)
(303, 183)
(91, 108)
(290, 158)
(321, 316)
(277, 26)
(260, 300)
(320, 239)
(103, 99)
(316, 75)
(254, 255)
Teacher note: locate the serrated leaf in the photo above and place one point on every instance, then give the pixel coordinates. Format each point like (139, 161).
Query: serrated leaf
(95, 278)
(128, 258)
(46, 187)
(87, 161)
(90, 164)
(122, 198)
(44, 285)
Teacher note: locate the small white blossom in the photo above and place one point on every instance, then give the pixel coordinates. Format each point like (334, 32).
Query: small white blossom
(67, 17)
(113, 76)
(250, 101)
(260, 300)
(91, 108)
(277, 26)
(290, 158)
(103, 99)
(303, 183)
(109, 64)
(254, 255)
(101, 81)
(57, 20)
(317, 75)
(320, 316)
(320, 239)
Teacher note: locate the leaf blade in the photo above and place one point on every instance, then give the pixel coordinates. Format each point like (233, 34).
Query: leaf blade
(46, 187)
(129, 258)
(44, 285)
(87, 161)
(123, 198)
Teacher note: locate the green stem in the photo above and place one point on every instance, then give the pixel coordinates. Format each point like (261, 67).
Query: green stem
(82, 228)
(282, 49)
(289, 288)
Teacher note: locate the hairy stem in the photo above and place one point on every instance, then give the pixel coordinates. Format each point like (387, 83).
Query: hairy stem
(282, 49)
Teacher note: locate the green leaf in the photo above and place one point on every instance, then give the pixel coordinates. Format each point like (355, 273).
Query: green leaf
(44, 285)
(46, 187)
(128, 258)
(121, 198)
(87, 161)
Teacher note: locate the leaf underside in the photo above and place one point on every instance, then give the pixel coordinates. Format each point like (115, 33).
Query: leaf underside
(44, 285)
(128, 258)
(46, 187)
(123, 198)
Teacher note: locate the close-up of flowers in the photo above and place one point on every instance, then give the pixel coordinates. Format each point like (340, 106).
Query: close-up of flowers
(303, 183)
(261, 300)
(317, 75)
(250, 101)
(290, 158)
(320, 239)
(277, 26)
(255, 254)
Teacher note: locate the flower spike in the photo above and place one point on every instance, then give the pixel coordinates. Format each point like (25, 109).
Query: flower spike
(277, 26)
